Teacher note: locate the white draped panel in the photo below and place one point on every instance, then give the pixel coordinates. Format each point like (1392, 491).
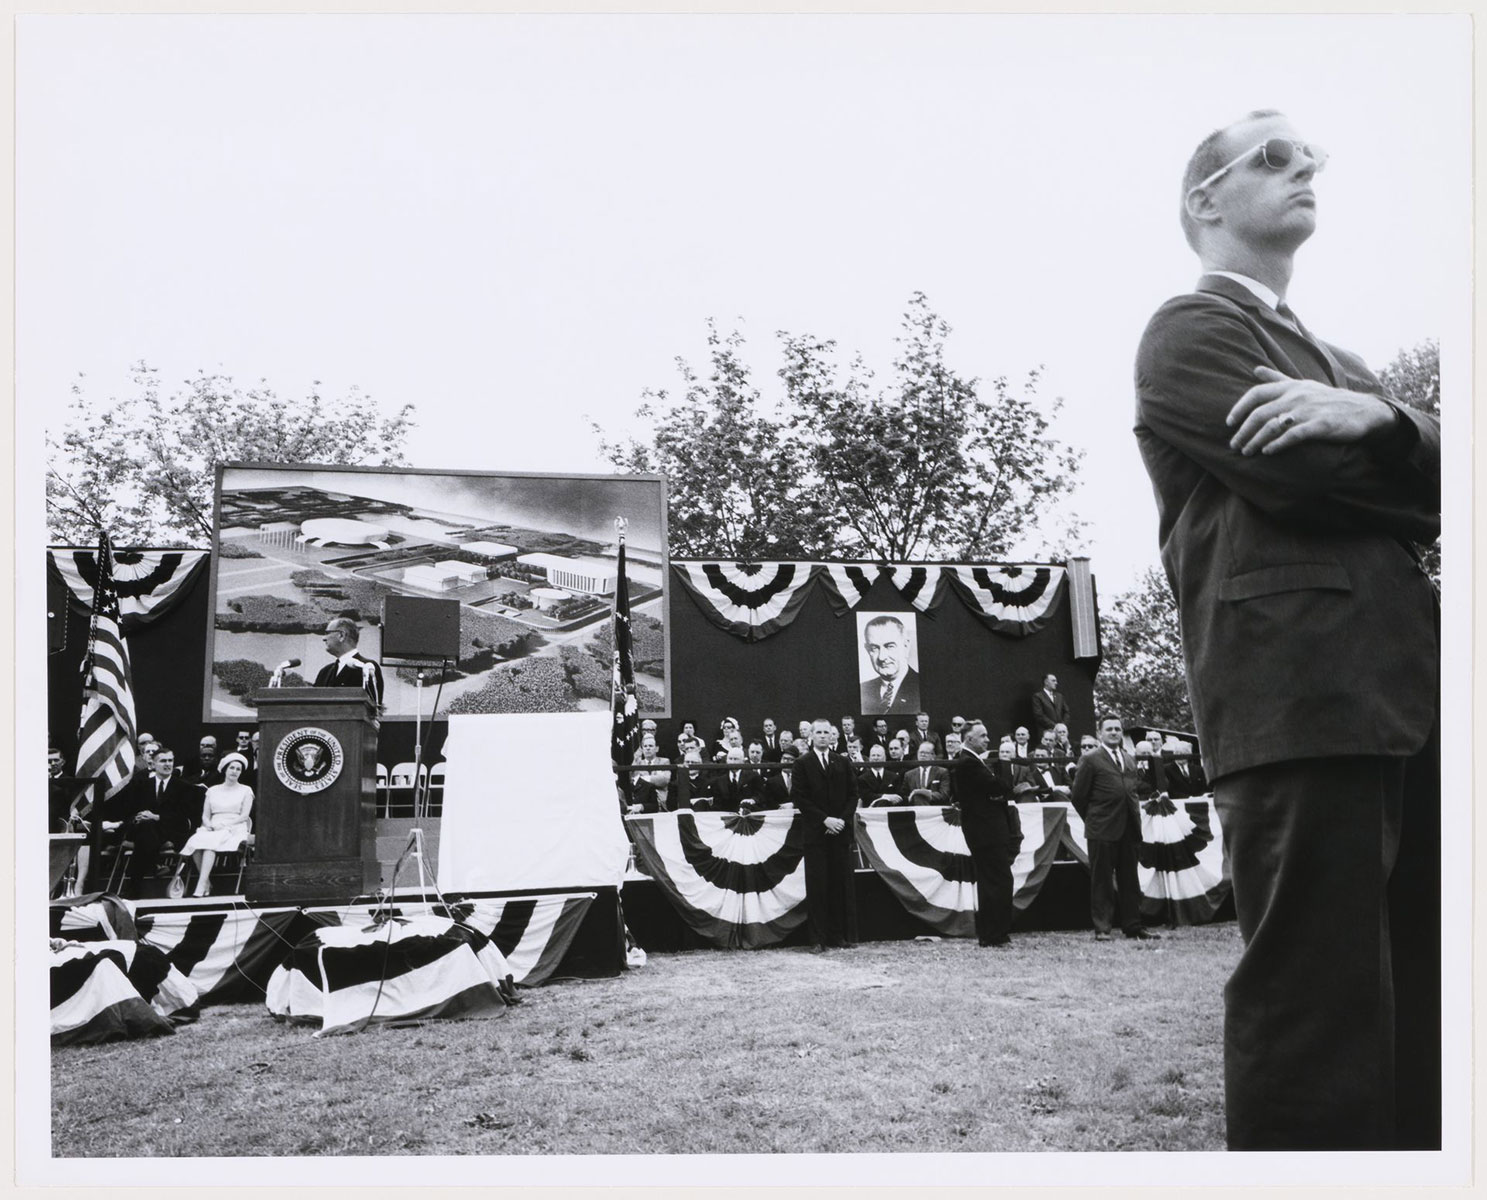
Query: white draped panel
(530, 802)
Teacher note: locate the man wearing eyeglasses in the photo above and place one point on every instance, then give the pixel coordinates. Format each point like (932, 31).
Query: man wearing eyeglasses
(1292, 493)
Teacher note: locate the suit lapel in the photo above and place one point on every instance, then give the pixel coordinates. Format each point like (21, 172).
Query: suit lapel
(1277, 330)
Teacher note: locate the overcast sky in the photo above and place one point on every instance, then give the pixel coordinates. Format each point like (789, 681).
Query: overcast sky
(516, 223)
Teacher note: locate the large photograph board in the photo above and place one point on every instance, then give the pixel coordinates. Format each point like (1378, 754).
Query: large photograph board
(531, 560)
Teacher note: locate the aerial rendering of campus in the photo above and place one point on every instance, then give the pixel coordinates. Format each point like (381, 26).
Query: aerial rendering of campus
(531, 560)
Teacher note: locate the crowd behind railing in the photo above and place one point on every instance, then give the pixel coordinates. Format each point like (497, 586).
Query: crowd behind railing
(908, 766)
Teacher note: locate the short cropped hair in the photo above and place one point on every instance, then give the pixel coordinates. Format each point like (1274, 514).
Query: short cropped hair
(1211, 154)
(344, 625)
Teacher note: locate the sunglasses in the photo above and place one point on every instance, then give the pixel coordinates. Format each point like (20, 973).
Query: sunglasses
(1277, 154)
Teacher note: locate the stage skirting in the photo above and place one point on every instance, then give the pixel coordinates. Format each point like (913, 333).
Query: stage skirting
(224, 955)
(738, 880)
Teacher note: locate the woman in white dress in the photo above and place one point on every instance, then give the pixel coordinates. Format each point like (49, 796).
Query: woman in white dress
(225, 823)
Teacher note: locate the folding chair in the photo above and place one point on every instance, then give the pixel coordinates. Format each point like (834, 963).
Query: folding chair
(436, 789)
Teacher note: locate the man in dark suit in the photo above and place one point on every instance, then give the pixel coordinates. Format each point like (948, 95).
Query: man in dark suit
(1104, 796)
(1049, 706)
(350, 668)
(769, 739)
(738, 786)
(894, 687)
(925, 784)
(777, 783)
(878, 780)
(823, 787)
(204, 772)
(648, 788)
(1292, 493)
(922, 733)
(154, 810)
(985, 819)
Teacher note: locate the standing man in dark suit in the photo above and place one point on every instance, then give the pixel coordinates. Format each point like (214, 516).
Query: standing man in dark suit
(1292, 493)
(894, 687)
(350, 668)
(982, 793)
(1049, 706)
(823, 787)
(1104, 796)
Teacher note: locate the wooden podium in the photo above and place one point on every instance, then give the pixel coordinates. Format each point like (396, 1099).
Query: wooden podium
(315, 813)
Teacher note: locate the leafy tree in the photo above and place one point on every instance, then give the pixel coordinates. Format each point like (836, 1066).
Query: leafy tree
(143, 466)
(933, 465)
(733, 472)
(1414, 378)
(1142, 677)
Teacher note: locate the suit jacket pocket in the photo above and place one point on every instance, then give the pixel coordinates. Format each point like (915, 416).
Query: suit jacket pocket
(1287, 577)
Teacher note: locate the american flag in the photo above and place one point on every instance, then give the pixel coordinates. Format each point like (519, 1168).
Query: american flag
(625, 736)
(106, 728)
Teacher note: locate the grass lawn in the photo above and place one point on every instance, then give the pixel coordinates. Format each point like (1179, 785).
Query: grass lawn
(1060, 1043)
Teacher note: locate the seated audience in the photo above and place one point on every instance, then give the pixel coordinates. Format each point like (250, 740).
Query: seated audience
(648, 789)
(926, 784)
(878, 782)
(957, 727)
(898, 748)
(849, 727)
(226, 822)
(787, 739)
(1087, 742)
(854, 750)
(727, 727)
(879, 736)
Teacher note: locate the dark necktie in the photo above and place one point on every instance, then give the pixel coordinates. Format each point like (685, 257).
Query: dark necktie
(1324, 356)
(886, 692)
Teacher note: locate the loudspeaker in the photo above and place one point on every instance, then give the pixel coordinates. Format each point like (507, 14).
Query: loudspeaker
(420, 629)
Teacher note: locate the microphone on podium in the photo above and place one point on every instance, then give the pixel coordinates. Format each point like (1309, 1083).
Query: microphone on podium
(277, 678)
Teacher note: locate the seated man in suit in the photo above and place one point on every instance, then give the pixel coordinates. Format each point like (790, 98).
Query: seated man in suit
(350, 668)
(737, 788)
(877, 781)
(1022, 743)
(204, 772)
(769, 740)
(925, 784)
(699, 783)
(878, 736)
(1151, 772)
(1104, 796)
(1180, 782)
(776, 793)
(1051, 776)
(153, 811)
(648, 789)
(922, 733)
(1049, 706)
(1017, 775)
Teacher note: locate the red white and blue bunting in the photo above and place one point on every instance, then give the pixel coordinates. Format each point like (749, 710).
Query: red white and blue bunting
(847, 584)
(1181, 860)
(737, 879)
(923, 587)
(229, 955)
(149, 582)
(922, 856)
(533, 932)
(754, 600)
(345, 977)
(749, 600)
(106, 990)
(1011, 600)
